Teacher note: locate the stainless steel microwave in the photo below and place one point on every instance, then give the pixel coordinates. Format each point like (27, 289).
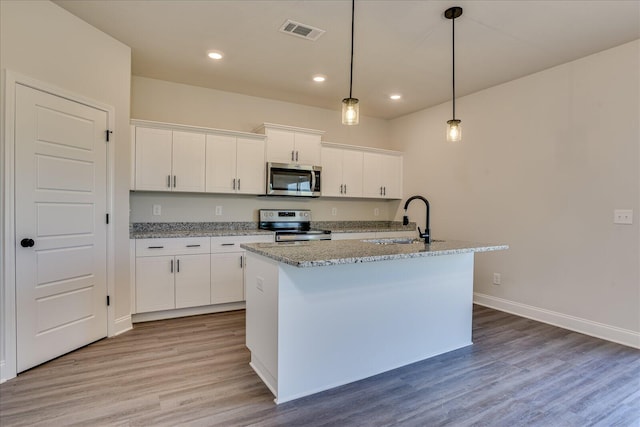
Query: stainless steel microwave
(288, 179)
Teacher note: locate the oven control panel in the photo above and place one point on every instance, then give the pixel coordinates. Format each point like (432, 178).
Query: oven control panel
(285, 215)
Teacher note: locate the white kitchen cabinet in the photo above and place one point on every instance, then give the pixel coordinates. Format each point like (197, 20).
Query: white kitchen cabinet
(227, 266)
(382, 175)
(342, 174)
(172, 273)
(234, 164)
(287, 144)
(167, 160)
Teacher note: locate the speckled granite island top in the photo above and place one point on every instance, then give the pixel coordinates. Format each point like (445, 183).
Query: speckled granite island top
(334, 252)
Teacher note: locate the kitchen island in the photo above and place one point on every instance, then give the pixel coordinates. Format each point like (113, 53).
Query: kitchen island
(326, 313)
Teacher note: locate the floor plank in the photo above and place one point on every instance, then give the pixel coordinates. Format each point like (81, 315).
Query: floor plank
(195, 371)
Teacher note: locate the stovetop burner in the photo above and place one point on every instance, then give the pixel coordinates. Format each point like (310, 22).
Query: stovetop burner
(291, 225)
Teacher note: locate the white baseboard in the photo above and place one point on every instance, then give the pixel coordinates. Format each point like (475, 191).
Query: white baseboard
(584, 326)
(3, 374)
(191, 311)
(122, 324)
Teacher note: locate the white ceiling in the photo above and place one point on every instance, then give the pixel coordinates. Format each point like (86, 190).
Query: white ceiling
(400, 46)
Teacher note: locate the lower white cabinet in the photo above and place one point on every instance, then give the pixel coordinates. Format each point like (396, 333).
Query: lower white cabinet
(190, 272)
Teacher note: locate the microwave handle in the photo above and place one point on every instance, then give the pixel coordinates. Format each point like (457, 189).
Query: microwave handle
(313, 181)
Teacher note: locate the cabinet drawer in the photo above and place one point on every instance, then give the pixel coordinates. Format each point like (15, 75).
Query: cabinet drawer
(177, 246)
(232, 243)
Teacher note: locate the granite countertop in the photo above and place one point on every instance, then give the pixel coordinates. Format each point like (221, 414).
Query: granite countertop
(159, 230)
(334, 252)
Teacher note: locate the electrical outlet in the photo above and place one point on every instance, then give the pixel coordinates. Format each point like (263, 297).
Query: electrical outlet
(334, 211)
(218, 210)
(623, 216)
(376, 212)
(497, 279)
(157, 210)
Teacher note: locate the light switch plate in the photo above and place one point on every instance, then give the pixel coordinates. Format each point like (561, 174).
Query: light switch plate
(157, 210)
(623, 216)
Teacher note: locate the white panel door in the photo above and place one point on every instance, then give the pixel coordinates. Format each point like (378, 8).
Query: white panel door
(227, 277)
(61, 188)
(250, 169)
(153, 159)
(188, 161)
(221, 164)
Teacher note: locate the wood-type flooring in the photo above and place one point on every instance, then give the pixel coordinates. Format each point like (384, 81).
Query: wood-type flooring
(195, 371)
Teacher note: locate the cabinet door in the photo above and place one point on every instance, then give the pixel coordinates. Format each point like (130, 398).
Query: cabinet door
(221, 164)
(352, 173)
(227, 277)
(153, 159)
(332, 182)
(392, 176)
(250, 166)
(154, 283)
(188, 161)
(280, 146)
(371, 175)
(193, 280)
(308, 148)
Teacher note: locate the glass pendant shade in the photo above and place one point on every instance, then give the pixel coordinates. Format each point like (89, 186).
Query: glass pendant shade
(350, 111)
(454, 130)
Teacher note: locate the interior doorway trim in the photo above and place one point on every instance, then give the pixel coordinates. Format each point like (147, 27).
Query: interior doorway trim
(8, 331)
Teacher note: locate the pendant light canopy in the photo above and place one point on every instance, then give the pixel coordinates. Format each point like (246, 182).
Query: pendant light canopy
(454, 126)
(350, 105)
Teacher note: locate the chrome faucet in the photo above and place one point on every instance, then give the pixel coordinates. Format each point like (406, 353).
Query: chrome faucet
(405, 219)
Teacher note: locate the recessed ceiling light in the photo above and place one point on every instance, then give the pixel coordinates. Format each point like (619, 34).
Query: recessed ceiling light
(215, 54)
(395, 96)
(319, 78)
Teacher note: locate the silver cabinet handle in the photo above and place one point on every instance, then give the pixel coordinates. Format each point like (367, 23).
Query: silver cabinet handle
(193, 246)
(296, 156)
(234, 183)
(292, 155)
(228, 244)
(238, 184)
(381, 191)
(174, 181)
(169, 181)
(241, 261)
(345, 189)
(155, 247)
(385, 191)
(178, 266)
(172, 266)
(341, 185)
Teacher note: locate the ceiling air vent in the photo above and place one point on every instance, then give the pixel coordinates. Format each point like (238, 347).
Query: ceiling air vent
(301, 30)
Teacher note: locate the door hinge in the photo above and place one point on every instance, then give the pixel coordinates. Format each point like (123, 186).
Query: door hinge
(107, 218)
(108, 301)
(108, 132)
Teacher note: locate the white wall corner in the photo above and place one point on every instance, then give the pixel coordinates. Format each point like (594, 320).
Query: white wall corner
(121, 325)
(583, 326)
(3, 375)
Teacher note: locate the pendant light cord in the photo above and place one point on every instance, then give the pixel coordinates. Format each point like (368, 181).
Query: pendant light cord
(353, 8)
(453, 63)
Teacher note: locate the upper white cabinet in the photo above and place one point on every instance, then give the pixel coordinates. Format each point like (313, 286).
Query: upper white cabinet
(382, 174)
(286, 144)
(341, 172)
(186, 158)
(235, 164)
(169, 160)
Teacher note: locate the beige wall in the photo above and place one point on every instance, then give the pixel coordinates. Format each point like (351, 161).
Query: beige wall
(43, 41)
(544, 162)
(191, 105)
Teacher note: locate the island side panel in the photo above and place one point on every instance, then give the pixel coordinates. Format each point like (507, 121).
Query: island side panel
(342, 323)
(261, 294)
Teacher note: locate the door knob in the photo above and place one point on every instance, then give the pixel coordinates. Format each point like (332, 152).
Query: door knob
(27, 243)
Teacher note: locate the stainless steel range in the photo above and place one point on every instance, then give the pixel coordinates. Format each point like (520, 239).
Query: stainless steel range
(291, 225)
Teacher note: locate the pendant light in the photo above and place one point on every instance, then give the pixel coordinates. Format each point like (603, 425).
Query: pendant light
(350, 106)
(454, 127)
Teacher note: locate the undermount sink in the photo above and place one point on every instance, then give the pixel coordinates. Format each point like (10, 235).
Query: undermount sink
(398, 241)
